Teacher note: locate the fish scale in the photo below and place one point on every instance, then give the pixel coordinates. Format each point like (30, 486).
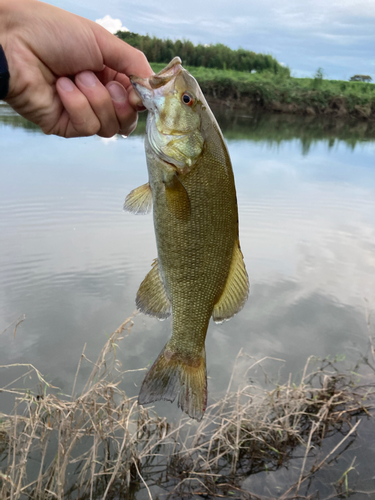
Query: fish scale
(199, 272)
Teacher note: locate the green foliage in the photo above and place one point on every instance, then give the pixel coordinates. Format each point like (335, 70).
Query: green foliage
(259, 79)
(237, 84)
(217, 56)
(318, 79)
(319, 75)
(292, 94)
(361, 78)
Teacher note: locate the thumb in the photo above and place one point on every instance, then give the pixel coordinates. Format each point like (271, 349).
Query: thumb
(119, 55)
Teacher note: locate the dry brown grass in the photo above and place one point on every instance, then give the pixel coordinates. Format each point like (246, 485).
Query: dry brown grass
(101, 444)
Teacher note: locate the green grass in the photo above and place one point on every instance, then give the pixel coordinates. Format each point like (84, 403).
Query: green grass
(267, 88)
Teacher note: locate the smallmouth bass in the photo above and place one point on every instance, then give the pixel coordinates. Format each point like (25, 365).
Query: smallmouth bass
(199, 271)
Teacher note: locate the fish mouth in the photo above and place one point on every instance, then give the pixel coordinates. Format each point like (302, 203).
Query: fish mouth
(147, 88)
(166, 74)
(143, 89)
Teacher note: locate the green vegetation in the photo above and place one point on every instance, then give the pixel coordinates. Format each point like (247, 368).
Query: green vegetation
(285, 94)
(10, 117)
(242, 78)
(361, 78)
(209, 56)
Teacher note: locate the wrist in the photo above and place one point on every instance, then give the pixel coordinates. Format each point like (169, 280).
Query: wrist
(4, 75)
(12, 15)
(6, 26)
(5, 8)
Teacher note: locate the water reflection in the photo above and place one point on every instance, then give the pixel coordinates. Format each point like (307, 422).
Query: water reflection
(11, 119)
(271, 129)
(72, 260)
(274, 129)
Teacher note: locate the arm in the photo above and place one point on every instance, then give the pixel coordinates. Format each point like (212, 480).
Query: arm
(68, 74)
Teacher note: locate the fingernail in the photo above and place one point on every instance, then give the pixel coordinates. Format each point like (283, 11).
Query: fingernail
(135, 101)
(117, 92)
(66, 84)
(87, 78)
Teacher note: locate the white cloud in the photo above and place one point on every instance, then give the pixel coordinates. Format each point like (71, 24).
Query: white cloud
(110, 24)
(301, 34)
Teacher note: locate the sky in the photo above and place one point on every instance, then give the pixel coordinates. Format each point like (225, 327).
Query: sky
(335, 35)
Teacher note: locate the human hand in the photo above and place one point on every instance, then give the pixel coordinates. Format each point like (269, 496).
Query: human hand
(68, 74)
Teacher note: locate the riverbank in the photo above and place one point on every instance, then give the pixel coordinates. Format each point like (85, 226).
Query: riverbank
(283, 94)
(272, 128)
(100, 443)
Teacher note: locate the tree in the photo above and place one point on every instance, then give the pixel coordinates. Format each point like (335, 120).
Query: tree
(360, 78)
(211, 56)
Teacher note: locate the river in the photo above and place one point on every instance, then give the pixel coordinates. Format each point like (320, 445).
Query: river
(71, 259)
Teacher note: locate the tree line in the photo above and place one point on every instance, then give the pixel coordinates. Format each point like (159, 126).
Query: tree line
(209, 56)
(360, 78)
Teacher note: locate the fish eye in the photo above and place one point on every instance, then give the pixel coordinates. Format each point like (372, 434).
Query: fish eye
(187, 99)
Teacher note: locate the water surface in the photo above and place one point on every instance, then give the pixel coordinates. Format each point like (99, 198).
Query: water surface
(71, 260)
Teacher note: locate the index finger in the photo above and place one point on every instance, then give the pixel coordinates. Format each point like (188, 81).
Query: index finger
(121, 56)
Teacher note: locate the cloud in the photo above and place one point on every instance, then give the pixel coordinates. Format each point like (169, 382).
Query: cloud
(110, 24)
(301, 34)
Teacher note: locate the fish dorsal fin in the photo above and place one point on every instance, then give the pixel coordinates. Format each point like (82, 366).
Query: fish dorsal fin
(151, 297)
(177, 198)
(236, 289)
(139, 201)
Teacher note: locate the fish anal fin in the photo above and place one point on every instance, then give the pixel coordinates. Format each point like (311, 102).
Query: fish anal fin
(139, 201)
(177, 198)
(151, 297)
(236, 289)
(173, 375)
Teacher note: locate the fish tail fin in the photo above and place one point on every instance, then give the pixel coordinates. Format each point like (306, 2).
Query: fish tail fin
(174, 375)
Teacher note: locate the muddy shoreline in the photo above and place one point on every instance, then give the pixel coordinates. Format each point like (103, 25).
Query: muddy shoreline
(337, 107)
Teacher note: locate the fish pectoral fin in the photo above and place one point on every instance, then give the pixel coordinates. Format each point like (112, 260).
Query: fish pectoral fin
(174, 375)
(236, 289)
(177, 198)
(151, 297)
(139, 201)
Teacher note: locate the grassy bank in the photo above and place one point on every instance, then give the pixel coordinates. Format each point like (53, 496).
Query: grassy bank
(98, 443)
(283, 94)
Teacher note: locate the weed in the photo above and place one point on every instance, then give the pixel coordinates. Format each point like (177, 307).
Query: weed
(101, 444)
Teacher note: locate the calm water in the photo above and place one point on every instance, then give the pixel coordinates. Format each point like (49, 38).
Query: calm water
(71, 260)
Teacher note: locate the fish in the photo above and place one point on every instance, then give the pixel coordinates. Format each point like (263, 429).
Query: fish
(199, 271)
